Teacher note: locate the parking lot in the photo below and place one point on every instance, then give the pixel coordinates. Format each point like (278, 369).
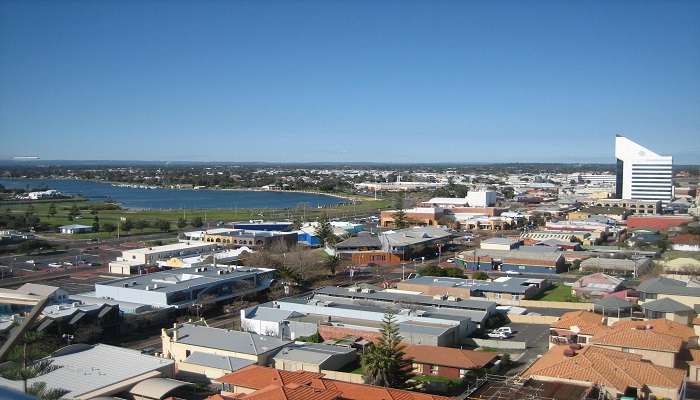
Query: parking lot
(535, 336)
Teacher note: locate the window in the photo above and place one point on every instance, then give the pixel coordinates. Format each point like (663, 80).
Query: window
(581, 339)
(462, 372)
(187, 353)
(625, 350)
(434, 370)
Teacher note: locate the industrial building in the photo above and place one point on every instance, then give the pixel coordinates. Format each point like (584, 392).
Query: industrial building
(185, 286)
(501, 289)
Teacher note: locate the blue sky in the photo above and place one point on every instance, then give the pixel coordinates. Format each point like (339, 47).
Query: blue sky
(395, 81)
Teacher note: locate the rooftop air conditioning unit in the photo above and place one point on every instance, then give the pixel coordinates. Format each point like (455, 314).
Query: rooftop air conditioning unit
(148, 287)
(155, 286)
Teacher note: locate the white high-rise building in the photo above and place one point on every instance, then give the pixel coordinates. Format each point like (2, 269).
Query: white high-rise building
(641, 173)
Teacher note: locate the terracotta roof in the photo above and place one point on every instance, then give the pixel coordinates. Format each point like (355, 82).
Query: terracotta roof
(257, 377)
(631, 337)
(604, 367)
(449, 357)
(662, 326)
(686, 238)
(588, 323)
(272, 384)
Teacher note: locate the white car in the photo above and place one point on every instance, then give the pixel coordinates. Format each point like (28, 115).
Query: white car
(498, 335)
(450, 260)
(504, 329)
(55, 265)
(512, 273)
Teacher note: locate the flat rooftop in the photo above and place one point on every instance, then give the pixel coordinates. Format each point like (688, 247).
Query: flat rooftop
(184, 278)
(504, 284)
(168, 248)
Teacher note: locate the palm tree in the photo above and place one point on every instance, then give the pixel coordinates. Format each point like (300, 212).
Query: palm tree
(384, 363)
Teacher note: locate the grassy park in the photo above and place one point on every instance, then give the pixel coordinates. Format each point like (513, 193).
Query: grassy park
(559, 292)
(57, 213)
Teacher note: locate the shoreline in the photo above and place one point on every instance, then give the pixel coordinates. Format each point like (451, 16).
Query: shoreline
(349, 199)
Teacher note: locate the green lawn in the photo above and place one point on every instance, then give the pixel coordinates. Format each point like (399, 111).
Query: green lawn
(212, 216)
(558, 292)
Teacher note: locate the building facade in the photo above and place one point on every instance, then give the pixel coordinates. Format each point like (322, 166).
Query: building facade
(641, 173)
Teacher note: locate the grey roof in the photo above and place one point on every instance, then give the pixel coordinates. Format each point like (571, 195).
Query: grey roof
(313, 353)
(359, 241)
(38, 289)
(662, 285)
(412, 327)
(85, 368)
(468, 304)
(270, 314)
(614, 263)
(178, 279)
(511, 285)
(416, 235)
(74, 226)
(216, 361)
(500, 240)
(551, 256)
(229, 340)
(156, 388)
(665, 305)
(613, 302)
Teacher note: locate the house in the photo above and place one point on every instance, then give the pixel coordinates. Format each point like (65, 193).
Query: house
(576, 327)
(202, 351)
(596, 285)
(91, 371)
(663, 326)
(498, 243)
(446, 362)
(314, 357)
(74, 229)
(364, 249)
(617, 373)
(687, 293)
(652, 345)
(524, 259)
(669, 309)
(256, 382)
(415, 241)
(616, 266)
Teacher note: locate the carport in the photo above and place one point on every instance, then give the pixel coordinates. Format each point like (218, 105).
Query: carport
(613, 307)
(156, 388)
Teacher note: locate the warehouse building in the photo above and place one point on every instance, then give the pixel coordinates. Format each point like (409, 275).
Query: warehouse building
(521, 260)
(185, 286)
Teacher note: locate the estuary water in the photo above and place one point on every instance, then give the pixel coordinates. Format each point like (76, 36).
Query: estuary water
(158, 198)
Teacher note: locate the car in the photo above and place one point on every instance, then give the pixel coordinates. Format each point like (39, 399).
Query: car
(512, 272)
(498, 335)
(504, 329)
(412, 275)
(55, 265)
(450, 260)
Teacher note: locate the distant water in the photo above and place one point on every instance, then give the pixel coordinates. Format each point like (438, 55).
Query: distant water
(173, 199)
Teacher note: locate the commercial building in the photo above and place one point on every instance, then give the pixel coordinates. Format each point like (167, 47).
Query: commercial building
(498, 243)
(253, 239)
(641, 173)
(185, 286)
(502, 289)
(545, 260)
(92, 371)
(149, 256)
(481, 198)
(425, 216)
(414, 241)
(634, 206)
(203, 351)
(74, 229)
(658, 222)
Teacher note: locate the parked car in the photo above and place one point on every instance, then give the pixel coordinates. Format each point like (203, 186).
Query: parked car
(512, 272)
(450, 260)
(504, 329)
(55, 265)
(498, 335)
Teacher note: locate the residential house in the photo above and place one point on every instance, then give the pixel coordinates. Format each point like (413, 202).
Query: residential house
(446, 362)
(314, 357)
(687, 293)
(596, 285)
(617, 266)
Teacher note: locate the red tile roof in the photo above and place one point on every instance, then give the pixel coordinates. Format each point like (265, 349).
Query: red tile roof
(449, 357)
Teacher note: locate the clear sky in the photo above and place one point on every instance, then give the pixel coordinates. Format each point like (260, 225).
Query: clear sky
(398, 81)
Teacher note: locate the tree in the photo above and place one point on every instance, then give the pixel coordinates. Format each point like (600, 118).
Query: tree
(197, 222)
(324, 231)
(96, 223)
(52, 209)
(29, 210)
(127, 225)
(181, 223)
(109, 227)
(400, 219)
(162, 225)
(26, 363)
(331, 262)
(384, 363)
(480, 275)
(297, 223)
(140, 224)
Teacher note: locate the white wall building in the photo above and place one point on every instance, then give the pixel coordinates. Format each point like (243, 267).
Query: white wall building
(481, 198)
(641, 173)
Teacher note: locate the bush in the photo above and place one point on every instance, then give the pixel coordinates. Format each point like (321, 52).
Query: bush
(108, 227)
(481, 275)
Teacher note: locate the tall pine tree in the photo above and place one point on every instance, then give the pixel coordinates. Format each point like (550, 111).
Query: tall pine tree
(384, 363)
